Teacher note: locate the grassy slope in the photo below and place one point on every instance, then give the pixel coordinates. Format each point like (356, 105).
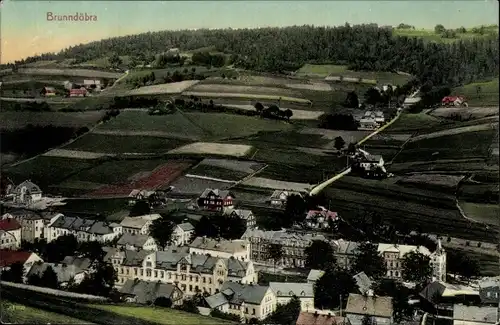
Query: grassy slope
(487, 97)
(20, 314)
(487, 213)
(164, 316)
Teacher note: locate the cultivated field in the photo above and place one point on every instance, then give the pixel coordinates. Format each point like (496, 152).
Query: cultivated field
(434, 211)
(21, 314)
(455, 131)
(211, 148)
(487, 95)
(316, 86)
(465, 112)
(413, 122)
(106, 143)
(77, 154)
(480, 212)
(194, 186)
(445, 166)
(215, 125)
(243, 166)
(70, 73)
(155, 179)
(169, 88)
(16, 120)
(222, 95)
(298, 114)
(218, 88)
(276, 185)
(348, 136)
(342, 70)
(431, 181)
(230, 170)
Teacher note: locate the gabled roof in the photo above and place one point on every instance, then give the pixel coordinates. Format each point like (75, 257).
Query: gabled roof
(9, 224)
(50, 89)
(186, 226)
(312, 319)
(223, 245)
(64, 272)
(216, 300)
(9, 257)
(327, 214)
(363, 282)
(402, 249)
(147, 291)
(30, 187)
(218, 193)
(277, 193)
(248, 293)
(83, 263)
(242, 213)
(370, 306)
(314, 275)
(138, 222)
(133, 240)
(290, 289)
(102, 228)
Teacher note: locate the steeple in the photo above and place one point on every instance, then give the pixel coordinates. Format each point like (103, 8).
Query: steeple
(439, 246)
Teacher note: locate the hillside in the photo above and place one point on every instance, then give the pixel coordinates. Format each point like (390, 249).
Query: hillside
(285, 49)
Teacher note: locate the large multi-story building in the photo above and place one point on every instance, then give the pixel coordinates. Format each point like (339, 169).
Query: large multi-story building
(293, 243)
(238, 249)
(191, 273)
(216, 200)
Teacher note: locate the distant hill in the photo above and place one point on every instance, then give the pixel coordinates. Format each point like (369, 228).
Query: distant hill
(287, 49)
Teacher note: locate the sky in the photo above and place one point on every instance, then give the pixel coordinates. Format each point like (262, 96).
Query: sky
(25, 30)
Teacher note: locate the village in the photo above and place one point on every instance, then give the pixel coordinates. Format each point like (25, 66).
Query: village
(156, 261)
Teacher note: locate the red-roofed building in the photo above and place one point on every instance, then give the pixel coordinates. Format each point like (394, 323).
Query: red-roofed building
(82, 92)
(9, 257)
(319, 219)
(10, 234)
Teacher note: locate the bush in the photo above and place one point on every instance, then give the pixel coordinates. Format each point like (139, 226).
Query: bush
(219, 314)
(163, 302)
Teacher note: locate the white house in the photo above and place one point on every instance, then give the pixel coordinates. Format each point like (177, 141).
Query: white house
(370, 161)
(65, 273)
(238, 248)
(9, 257)
(137, 242)
(65, 225)
(10, 234)
(320, 219)
(279, 197)
(102, 231)
(285, 291)
(138, 225)
(32, 224)
(182, 234)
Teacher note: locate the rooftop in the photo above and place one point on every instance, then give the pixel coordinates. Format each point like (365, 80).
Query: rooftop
(475, 314)
(402, 249)
(218, 193)
(228, 246)
(371, 306)
(314, 275)
(133, 240)
(9, 224)
(312, 319)
(290, 289)
(147, 291)
(9, 257)
(186, 226)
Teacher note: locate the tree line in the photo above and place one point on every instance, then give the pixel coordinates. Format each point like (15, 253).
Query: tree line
(281, 49)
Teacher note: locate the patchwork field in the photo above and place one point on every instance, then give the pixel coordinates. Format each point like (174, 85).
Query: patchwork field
(216, 125)
(246, 96)
(455, 131)
(456, 146)
(342, 70)
(298, 114)
(102, 143)
(432, 181)
(212, 148)
(16, 120)
(486, 95)
(433, 211)
(194, 186)
(77, 154)
(170, 88)
(465, 112)
(276, 184)
(414, 122)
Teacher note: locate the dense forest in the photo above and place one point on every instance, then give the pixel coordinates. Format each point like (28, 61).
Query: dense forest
(361, 47)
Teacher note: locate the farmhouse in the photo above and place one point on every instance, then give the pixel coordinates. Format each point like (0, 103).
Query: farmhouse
(136, 242)
(216, 200)
(368, 123)
(246, 215)
(138, 225)
(410, 101)
(378, 309)
(26, 193)
(10, 234)
(48, 91)
(294, 245)
(194, 273)
(247, 301)
(9, 257)
(285, 291)
(238, 249)
(489, 290)
(182, 234)
(320, 219)
(279, 197)
(138, 195)
(146, 292)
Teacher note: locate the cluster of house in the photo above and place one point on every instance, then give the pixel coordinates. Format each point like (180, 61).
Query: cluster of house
(75, 90)
(368, 165)
(372, 120)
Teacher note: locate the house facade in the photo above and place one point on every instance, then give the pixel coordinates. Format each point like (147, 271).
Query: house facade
(10, 234)
(245, 215)
(138, 225)
(345, 252)
(82, 92)
(136, 242)
(26, 193)
(279, 197)
(293, 243)
(191, 273)
(65, 273)
(9, 257)
(320, 219)
(284, 292)
(182, 234)
(489, 291)
(146, 292)
(248, 301)
(48, 91)
(32, 224)
(216, 200)
(238, 249)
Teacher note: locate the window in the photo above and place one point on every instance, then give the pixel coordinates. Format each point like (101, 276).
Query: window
(156, 274)
(161, 274)
(148, 264)
(209, 280)
(190, 287)
(127, 270)
(204, 280)
(135, 271)
(246, 310)
(253, 311)
(488, 294)
(142, 272)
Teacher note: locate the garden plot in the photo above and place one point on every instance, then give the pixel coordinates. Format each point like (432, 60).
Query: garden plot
(317, 86)
(224, 169)
(191, 186)
(465, 112)
(458, 130)
(169, 88)
(298, 114)
(277, 185)
(211, 148)
(63, 153)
